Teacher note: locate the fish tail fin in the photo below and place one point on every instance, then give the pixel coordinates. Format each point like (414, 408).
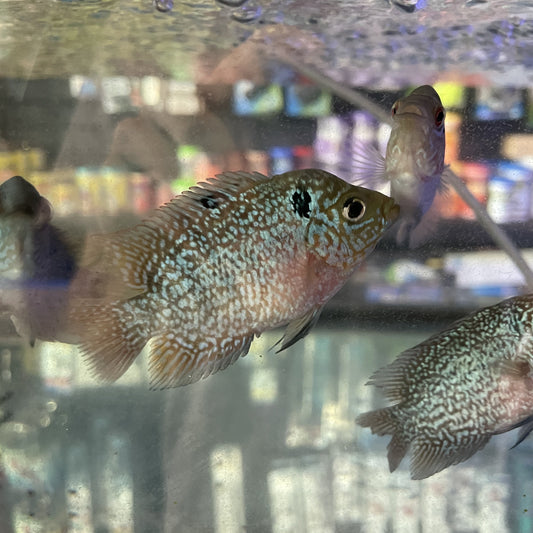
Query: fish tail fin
(385, 422)
(107, 342)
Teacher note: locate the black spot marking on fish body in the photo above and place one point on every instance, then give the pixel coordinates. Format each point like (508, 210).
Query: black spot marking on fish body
(209, 202)
(301, 201)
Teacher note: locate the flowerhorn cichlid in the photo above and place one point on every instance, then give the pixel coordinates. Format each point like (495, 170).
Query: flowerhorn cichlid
(452, 392)
(220, 264)
(37, 262)
(414, 160)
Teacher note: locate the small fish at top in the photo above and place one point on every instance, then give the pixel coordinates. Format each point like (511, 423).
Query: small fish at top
(413, 163)
(220, 264)
(37, 262)
(458, 388)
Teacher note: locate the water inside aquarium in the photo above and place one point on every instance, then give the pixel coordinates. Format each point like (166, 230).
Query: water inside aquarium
(110, 109)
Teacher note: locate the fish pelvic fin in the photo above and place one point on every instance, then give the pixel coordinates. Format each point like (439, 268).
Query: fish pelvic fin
(108, 344)
(175, 362)
(525, 430)
(299, 328)
(384, 422)
(431, 455)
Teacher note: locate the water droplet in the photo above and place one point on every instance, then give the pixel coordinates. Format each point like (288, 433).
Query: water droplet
(232, 3)
(163, 5)
(247, 13)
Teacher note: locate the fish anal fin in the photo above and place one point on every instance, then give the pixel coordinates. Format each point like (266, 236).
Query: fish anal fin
(431, 455)
(175, 362)
(107, 344)
(299, 328)
(397, 448)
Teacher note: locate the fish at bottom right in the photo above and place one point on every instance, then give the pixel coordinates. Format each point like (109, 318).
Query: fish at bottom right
(451, 393)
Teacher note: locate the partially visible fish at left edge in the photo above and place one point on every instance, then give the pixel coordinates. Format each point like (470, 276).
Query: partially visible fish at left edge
(414, 161)
(37, 263)
(458, 388)
(220, 264)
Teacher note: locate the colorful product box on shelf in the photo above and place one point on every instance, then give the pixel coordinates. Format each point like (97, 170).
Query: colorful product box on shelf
(329, 141)
(257, 161)
(476, 176)
(509, 193)
(281, 160)
(304, 157)
(307, 100)
(250, 99)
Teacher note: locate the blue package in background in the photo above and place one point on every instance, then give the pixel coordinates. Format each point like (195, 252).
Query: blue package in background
(250, 99)
(304, 100)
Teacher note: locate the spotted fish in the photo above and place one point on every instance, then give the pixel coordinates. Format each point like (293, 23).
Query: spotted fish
(414, 160)
(220, 264)
(452, 392)
(37, 262)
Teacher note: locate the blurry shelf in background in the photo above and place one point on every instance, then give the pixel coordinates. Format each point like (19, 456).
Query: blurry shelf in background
(463, 235)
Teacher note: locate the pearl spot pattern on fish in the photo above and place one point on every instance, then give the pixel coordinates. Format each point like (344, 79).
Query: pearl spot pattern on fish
(201, 281)
(455, 390)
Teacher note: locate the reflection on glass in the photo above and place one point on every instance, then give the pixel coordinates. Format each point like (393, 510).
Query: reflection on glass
(109, 110)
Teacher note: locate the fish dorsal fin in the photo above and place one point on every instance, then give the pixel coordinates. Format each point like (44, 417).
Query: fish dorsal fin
(123, 257)
(393, 378)
(210, 194)
(175, 361)
(299, 328)
(368, 166)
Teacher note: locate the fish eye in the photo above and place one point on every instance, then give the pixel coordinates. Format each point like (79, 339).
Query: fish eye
(439, 117)
(353, 209)
(394, 109)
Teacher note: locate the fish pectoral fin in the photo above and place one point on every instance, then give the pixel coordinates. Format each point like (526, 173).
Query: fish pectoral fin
(175, 362)
(299, 328)
(368, 166)
(107, 344)
(431, 455)
(515, 368)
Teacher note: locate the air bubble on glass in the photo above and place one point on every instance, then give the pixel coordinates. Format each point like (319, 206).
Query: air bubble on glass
(232, 3)
(247, 13)
(51, 406)
(163, 5)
